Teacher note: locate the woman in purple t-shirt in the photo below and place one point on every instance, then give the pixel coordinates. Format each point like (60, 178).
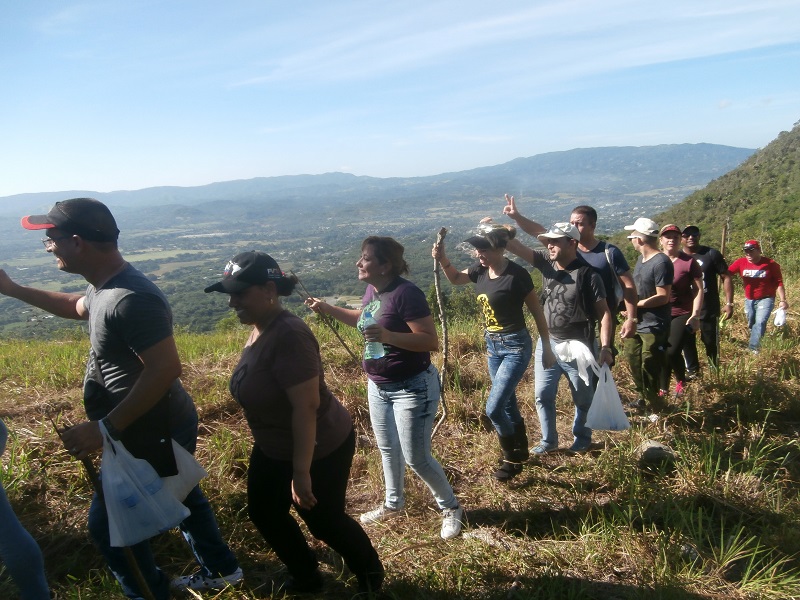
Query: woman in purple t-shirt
(403, 387)
(686, 301)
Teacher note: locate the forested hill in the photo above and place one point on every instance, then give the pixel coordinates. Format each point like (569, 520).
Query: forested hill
(759, 199)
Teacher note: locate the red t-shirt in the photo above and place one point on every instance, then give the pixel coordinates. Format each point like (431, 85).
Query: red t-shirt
(761, 279)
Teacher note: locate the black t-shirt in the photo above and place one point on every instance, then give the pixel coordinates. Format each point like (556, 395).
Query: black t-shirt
(713, 265)
(501, 299)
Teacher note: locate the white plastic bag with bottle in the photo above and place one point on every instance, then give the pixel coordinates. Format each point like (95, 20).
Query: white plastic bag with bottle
(138, 503)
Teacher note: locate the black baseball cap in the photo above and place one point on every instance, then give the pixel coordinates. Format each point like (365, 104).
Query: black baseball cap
(244, 270)
(86, 217)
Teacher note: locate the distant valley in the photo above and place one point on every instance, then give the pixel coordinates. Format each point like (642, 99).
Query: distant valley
(313, 224)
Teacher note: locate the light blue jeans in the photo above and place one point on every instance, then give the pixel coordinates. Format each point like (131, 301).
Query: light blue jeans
(508, 355)
(18, 550)
(546, 389)
(757, 313)
(402, 415)
(199, 528)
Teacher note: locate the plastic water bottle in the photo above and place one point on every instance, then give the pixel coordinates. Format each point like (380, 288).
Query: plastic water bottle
(148, 477)
(371, 349)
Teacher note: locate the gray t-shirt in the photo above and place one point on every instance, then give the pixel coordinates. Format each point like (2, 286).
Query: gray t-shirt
(127, 315)
(568, 298)
(657, 271)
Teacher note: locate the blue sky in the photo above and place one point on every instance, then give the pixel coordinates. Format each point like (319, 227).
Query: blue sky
(111, 95)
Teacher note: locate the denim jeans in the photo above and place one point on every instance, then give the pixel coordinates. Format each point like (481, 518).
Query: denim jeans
(402, 415)
(199, 528)
(18, 550)
(508, 355)
(757, 312)
(269, 500)
(546, 389)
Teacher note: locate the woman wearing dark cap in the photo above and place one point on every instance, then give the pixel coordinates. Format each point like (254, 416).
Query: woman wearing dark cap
(686, 302)
(403, 388)
(304, 438)
(502, 288)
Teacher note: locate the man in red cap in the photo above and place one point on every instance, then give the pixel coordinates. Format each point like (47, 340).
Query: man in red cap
(762, 281)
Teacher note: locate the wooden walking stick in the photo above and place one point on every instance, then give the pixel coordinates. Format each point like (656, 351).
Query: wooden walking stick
(443, 320)
(326, 321)
(91, 473)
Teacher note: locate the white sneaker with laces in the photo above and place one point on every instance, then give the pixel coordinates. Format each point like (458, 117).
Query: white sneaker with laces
(452, 520)
(380, 515)
(199, 582)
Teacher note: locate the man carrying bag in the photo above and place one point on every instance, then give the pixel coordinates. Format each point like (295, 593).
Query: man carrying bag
(131, 382)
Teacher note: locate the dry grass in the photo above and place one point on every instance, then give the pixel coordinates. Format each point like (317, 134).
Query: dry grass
(722, 524)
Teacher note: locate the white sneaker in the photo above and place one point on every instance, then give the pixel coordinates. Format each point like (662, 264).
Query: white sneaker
(452, 520)
(380, 515)
(200, 582)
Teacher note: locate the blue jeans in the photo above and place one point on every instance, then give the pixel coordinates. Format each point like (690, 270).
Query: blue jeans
(199, 528)
(402, 415)
(546, 389)
(508, 355)
(757, 313)
(18, 550)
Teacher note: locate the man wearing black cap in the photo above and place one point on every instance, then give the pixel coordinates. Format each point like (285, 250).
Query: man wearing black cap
(713, 265)
(131, 382)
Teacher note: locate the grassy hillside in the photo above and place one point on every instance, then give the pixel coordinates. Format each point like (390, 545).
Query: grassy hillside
(723, 523)
(759, 199)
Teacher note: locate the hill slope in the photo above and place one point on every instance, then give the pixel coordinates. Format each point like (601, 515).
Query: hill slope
(756, 200)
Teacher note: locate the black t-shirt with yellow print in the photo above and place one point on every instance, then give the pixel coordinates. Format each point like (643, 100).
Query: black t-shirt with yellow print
(502, 298)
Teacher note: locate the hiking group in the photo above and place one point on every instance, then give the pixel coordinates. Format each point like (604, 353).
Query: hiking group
(303, 437)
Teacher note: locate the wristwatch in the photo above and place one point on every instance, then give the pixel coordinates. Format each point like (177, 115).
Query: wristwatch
(112, 431)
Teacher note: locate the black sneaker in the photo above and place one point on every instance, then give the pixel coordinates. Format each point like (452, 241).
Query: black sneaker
(638, 405)
(370, 583)
(309, 585)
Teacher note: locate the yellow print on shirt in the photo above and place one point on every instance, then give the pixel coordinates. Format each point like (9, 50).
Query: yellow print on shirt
(488, 313)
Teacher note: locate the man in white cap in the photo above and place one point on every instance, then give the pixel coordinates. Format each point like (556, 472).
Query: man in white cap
(574, 299)
(646, 351)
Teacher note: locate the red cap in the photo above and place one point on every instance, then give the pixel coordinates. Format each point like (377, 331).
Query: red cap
(749, 244)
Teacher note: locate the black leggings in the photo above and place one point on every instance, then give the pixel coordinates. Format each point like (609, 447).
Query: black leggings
(269, 498)
(678, 337)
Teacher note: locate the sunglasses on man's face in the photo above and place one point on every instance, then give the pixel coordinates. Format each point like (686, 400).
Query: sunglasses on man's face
(749, 248)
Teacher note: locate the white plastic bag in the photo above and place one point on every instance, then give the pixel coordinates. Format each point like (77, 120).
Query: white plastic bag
(570, 350)
(138, 504)
(606, 412)
(780, 317)
(190, 472)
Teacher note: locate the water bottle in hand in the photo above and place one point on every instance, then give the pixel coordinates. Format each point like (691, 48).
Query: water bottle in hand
(372, 350)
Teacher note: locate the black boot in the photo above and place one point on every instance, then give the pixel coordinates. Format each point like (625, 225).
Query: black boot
(511, 466)
(521, 441)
